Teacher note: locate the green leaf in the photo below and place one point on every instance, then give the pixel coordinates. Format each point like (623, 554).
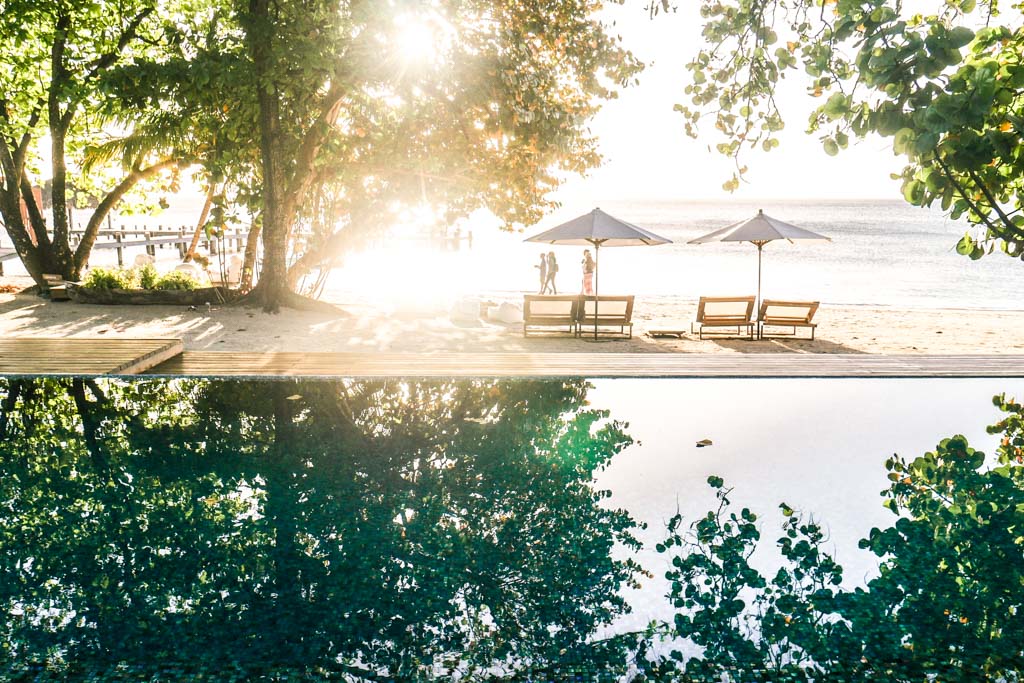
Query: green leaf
(965, 246)
(960, 36)
(903, 139)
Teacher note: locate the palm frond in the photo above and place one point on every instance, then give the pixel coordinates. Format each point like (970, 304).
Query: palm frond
(157, 134)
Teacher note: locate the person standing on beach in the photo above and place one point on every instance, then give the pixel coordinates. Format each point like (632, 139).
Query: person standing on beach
(588, 273)
(543, 267)
(552, 272)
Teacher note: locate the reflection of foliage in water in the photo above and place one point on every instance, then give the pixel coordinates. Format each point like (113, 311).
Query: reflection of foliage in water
(409, 530)
(946, 605)
(381, 530)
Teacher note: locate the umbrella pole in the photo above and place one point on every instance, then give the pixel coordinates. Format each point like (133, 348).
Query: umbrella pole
(757, 312)
(597, 275)
(760, 249)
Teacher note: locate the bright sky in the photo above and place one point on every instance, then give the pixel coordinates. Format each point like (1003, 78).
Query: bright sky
(648, 155)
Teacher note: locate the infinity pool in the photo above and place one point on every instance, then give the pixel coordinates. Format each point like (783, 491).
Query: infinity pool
(506, 530)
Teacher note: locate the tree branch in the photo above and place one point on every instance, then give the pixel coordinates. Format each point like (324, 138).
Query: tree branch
(35, 212)
(331, 246)
(305, 169)
(96, 220)
(194, 244)
(1010, 227)
(963, 193)
(107, 59)
(21, 148)
(58, 71)
(10, 208)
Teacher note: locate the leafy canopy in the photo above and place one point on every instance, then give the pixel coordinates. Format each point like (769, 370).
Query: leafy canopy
(942, 80)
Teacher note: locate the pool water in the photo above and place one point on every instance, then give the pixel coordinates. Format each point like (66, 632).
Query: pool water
(508, 530)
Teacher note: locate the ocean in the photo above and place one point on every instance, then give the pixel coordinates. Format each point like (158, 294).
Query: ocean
(882, 253)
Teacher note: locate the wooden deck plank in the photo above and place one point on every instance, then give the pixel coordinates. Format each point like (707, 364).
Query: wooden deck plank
(164, 358)
(328, 365)
(80, 357)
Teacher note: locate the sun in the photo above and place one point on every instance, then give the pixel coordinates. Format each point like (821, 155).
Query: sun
(421, 38)
(415, 40)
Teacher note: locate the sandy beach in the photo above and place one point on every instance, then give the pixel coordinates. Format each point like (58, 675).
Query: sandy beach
(364, 328)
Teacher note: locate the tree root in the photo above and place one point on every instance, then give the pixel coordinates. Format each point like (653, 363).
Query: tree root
(262, 298)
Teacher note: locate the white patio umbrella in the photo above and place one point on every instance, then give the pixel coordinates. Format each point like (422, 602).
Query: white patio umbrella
(759, 231)
(598, 229)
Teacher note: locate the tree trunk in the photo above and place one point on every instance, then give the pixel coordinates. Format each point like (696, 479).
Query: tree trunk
(92, 229)
(37, 254)
(273, 278)
(61, 236)
(32, 257)
(59, 123)
(281, 195)
(203, 215)
(252, 247)
(314, 257)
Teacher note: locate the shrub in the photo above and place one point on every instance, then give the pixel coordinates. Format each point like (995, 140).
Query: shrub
(109, 278)
(176, 279)
(148, 276)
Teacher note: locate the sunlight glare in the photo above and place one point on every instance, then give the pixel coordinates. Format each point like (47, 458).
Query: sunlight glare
(419, 39)
(424, 37)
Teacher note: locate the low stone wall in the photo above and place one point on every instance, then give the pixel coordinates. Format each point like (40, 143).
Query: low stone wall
(144, 297)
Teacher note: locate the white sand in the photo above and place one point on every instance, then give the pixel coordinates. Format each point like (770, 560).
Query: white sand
(841, 329)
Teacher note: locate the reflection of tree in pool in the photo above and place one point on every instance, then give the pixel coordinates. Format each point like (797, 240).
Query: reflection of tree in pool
(946, 606)
(377, 529)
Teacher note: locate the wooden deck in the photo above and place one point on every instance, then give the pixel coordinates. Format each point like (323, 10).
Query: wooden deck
(22, 356)
(595, 365)
(165, 358)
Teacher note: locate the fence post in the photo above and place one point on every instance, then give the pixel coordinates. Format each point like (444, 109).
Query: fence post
(181, 244)
(150, 248)
(118, 237)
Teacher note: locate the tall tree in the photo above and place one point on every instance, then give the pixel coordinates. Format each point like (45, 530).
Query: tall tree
(454, 105)
(55, 56)
(944, 81)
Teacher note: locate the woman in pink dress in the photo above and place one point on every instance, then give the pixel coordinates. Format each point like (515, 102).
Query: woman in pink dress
(588, 273)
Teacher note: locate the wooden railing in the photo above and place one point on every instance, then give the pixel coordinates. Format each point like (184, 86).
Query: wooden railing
(151, 239)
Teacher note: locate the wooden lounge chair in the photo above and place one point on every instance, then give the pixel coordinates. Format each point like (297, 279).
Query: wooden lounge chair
(791, 314)
(612, 311)
(725, 312)
(558, 310)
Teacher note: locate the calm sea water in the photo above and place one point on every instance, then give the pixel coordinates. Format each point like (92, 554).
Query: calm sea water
(882, 253)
